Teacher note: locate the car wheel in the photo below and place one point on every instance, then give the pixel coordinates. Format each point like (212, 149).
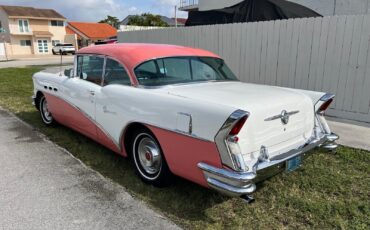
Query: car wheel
(149, 160)
(46, 116)
(53, 52)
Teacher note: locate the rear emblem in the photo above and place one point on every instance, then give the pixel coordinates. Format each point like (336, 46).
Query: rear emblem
(283, 116)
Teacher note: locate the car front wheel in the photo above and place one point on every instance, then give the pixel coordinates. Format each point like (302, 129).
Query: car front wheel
(46, 116)
(149, 160)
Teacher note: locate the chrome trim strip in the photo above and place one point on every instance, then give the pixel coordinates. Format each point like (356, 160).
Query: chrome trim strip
(220, 140)
(160, 127)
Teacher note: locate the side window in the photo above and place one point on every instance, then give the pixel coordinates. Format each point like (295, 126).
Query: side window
(147, 71)
(177, 68)
(115, 74)
(90, 68)
(202, 71)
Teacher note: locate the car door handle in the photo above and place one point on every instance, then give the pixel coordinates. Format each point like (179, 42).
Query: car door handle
(105, 110)
(91, 92)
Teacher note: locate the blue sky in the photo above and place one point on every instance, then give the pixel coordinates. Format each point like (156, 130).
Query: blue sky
(95, 10)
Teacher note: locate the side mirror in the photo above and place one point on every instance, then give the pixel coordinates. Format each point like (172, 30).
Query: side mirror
(68, 73)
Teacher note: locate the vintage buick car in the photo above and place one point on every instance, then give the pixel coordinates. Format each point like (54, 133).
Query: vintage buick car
(181, 111)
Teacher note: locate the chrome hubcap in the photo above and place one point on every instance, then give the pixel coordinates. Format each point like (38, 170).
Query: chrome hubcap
(149, 156)
(45, 110)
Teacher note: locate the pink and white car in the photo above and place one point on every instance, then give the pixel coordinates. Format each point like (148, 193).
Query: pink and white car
(181, 111)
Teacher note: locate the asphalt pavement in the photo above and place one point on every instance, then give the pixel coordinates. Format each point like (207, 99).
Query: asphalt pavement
(44, 187)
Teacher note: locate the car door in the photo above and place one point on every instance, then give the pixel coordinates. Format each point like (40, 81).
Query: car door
(81, 90)
(110, 110)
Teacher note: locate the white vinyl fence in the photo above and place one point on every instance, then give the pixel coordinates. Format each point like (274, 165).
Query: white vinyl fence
(329, 54)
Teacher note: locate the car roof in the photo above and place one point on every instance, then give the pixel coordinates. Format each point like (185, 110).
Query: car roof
(133, 54)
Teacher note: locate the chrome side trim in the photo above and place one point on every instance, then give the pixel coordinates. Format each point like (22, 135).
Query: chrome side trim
(122, 134)
(227, 157)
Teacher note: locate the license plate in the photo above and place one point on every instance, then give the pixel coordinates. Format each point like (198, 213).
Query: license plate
(294, 163)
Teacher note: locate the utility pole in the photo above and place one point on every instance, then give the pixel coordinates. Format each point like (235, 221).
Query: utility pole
(175, 15)
(335, 7)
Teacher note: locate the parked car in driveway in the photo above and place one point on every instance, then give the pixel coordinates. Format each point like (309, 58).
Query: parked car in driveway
(63, 48)
(181, 111)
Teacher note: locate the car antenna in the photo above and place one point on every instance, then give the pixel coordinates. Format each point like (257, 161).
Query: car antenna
(61, 63)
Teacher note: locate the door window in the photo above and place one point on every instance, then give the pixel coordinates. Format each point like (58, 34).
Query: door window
(115, 74)
(43, 46)
(90, 68)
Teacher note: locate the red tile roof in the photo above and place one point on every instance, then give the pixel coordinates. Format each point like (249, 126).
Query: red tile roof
(70, 31)
(94, 30)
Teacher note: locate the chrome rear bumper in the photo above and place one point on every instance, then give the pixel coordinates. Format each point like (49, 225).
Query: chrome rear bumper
(237, 184)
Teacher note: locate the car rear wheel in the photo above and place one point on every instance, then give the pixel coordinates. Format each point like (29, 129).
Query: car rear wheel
(53, 52)
(149, 160)
(46, 116)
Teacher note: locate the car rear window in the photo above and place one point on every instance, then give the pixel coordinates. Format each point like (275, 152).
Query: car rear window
(175, 70)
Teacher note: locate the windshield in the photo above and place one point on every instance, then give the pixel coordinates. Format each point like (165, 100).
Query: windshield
(175, 70)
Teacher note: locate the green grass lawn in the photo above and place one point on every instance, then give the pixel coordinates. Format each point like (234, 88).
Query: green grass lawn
(329, 191)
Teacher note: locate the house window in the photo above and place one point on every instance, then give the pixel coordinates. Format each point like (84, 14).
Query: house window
(23, 26)
(56, 23)
(25, 42)
(55, 42)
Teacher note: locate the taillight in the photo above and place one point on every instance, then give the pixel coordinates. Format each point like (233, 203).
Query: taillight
(325, 106)
(238, 126)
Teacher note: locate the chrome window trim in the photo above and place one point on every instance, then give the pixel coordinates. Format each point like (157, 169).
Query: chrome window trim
(227, 158)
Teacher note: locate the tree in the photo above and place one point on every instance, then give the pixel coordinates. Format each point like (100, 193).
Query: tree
(147, 20)
(111, 20)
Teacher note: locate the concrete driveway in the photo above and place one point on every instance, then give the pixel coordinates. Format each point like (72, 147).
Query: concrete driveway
(45, 187)
(37, 60)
